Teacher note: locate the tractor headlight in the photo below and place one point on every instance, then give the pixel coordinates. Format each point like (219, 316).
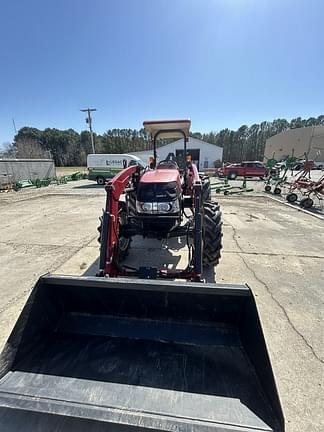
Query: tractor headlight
(157, 207)
(147, 207)
(144, 207)
(164, 207)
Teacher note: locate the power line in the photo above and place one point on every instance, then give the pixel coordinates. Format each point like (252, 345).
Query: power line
(14, 125)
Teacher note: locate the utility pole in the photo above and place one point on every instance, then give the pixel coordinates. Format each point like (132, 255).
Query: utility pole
(89, 122)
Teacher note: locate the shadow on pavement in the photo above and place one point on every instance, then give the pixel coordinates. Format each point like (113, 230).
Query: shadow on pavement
(153, 257)
(89, 186)
(209, 274)
(93, 269)
(151, 253)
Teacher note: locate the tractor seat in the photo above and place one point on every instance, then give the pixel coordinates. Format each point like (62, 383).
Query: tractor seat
(167, 164)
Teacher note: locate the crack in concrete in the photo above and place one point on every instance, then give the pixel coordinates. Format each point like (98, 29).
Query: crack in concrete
(275, 254)
(47, 246)
(12, 200)
(273, 297)
(13, 300)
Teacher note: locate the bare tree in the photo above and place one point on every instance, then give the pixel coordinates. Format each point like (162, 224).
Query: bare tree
(7, 150)
(29, 148)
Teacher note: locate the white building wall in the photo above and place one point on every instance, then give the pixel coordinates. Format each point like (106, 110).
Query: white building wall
(27, 169)
(209, 153)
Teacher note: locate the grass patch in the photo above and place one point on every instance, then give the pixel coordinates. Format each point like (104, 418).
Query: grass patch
(61, 171)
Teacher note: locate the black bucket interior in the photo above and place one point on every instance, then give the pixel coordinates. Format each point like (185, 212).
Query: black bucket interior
(189, 352)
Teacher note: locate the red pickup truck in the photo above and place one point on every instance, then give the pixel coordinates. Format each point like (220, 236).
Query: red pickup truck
(244, 169)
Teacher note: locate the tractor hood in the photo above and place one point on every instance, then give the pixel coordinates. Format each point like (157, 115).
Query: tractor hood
(161, 176)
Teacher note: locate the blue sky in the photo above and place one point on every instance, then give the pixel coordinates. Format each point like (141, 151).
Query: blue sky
(222, 63)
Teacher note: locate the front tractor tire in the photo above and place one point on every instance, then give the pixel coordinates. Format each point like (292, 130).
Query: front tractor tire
(123, 243)
(212, 233)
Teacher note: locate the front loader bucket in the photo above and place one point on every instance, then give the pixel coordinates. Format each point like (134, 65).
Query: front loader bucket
(96, 354)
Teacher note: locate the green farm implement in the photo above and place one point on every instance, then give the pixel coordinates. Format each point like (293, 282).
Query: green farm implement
(38, 183)
(228, 189)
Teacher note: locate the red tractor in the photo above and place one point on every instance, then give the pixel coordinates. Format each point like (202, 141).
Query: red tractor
(168, 199)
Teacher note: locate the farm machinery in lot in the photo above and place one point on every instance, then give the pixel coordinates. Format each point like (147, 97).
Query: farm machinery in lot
(278, 174)
(299, 185)
(117, 352)
(308, 189)
(303, 185)
(229, 189)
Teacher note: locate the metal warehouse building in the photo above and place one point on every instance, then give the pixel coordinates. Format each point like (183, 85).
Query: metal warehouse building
(203, 154)
(309, 140)
(31, 169)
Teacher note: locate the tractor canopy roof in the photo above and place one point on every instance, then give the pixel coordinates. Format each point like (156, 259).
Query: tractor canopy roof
(168, 128)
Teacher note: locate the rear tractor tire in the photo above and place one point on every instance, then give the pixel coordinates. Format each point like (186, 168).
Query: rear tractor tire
(205, 190)
(277, 191)
(212, 233)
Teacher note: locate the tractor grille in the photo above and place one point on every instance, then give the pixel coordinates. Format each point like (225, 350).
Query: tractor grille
(157, 192)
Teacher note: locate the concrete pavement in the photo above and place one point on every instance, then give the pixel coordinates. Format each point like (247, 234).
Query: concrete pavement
(277, 250)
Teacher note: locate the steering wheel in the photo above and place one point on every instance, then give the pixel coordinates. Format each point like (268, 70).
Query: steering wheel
(168, 164)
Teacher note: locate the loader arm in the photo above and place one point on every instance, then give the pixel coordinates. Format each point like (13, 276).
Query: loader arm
(110, 222)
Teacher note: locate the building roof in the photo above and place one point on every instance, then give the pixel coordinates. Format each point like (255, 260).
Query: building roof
(195, 140)
(192, 143)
